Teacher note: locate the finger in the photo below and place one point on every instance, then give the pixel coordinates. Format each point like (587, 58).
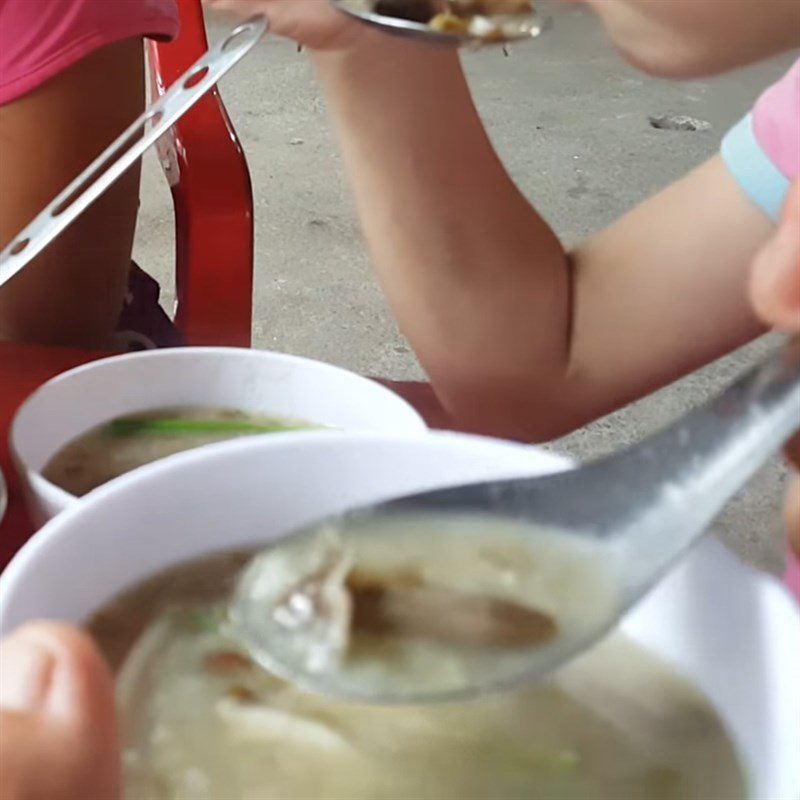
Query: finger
(793, 451)
(315, 24)
(775, 283)
(792, 504)
(792, 514)
(70, 680)
(57, 702)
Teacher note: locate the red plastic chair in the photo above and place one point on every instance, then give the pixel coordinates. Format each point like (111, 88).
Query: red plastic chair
(211, 191)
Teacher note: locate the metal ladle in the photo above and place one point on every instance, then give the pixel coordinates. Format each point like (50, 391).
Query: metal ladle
(628, 517)
(515, 28)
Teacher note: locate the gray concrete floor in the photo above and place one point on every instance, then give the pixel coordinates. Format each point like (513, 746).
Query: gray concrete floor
(571, 123)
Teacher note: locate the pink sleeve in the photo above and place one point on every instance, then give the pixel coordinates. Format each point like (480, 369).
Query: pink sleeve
(776, 122)
(41, 38)
(762, 151)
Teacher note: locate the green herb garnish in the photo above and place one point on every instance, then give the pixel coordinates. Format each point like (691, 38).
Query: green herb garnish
(201, 620)
(514, 760)
(197, 427)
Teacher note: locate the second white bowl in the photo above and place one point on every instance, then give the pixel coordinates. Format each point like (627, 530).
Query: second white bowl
(248, 380)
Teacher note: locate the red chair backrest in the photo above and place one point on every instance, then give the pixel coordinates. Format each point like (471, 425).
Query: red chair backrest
(210, 183)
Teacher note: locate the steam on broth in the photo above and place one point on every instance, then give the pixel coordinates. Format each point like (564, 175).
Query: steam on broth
(201, 720)
(126, 443)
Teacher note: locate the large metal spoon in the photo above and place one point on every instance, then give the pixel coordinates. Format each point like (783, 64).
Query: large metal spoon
(504, 581)
(411, 18)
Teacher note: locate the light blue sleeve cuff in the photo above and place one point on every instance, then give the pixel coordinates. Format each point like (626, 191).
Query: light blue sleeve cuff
(751, 168)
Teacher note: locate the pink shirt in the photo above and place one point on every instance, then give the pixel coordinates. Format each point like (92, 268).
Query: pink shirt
(762, 152)
(41, 38)
(776, 122)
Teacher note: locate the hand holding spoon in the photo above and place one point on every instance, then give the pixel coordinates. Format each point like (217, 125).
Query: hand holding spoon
(381, 615)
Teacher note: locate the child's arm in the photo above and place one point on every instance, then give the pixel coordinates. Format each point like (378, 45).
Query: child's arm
(518, 336)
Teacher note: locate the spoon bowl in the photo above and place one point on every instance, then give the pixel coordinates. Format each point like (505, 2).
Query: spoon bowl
(399, 607)
(580, 547)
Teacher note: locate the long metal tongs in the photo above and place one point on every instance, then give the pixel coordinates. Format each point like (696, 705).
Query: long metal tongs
(156, 120)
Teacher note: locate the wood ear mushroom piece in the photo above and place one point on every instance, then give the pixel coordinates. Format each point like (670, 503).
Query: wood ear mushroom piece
(445, 615)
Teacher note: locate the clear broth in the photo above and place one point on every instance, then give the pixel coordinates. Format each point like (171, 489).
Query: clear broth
(114, 448)
(201, 721)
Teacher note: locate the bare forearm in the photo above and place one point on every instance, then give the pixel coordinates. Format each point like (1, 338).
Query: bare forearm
(519, 339)
(477, 280)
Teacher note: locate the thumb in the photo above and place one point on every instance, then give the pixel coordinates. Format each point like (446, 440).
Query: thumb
(792, 512)
(775, 283)
(57, 717)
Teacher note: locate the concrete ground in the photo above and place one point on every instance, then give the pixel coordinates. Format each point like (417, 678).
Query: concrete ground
(571, 123)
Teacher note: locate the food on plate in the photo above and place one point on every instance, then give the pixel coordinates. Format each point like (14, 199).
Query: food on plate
(486, 20)
(114, 448)
(200, 719)
(413, 10)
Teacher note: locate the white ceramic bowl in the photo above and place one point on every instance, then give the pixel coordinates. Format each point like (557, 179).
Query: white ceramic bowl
(250, 380)
(733, 632)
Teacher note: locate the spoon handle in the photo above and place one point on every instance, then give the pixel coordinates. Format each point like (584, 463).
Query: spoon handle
(689, 470)
(668, 488)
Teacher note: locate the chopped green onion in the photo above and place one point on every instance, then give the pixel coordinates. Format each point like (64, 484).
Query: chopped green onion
(566, 760)
(201, 620)
(514, 760)
(170, 427)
